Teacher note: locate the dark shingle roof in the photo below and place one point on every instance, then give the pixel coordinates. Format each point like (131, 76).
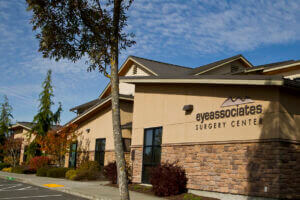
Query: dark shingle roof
(27, 124)
(276, 64)
(271, 65)
(96, 104)
(30, 125)
(160, 68)
(86, 105)
(203, 68)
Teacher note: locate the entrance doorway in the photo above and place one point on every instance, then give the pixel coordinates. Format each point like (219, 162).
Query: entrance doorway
(73, 155)
(151, 151)
(100, 151)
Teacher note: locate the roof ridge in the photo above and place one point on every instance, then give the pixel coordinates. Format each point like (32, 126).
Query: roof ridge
(275, 63)
(161, 62)
(219, 61)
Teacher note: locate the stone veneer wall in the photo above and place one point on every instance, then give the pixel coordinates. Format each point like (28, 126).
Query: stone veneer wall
(110, 157)
(237, 168)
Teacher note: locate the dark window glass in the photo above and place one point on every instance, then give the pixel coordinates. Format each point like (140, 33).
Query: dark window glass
(100, 151)
(151, 151)
(25, 154)
(157, 137)
(146, 173)
(156, 155)
(126, 144)
(148, 137)
(147, 155)
(73, 155)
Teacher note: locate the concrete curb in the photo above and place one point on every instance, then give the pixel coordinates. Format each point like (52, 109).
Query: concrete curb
(90, 190)
(65, 190)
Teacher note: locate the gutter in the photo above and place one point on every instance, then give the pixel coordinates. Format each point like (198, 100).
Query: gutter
(207, 81)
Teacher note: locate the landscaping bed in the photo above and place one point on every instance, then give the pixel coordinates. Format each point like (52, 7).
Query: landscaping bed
(148, 190)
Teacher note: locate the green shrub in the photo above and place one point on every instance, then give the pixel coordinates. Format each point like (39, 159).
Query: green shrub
(23, 169)
(4, 165)
(18, 170)
(90, 165)
(59, 172)
(86, 174)
(168, 179)
(42, 171)
(191, 197)
(71, 174)
(88, 170)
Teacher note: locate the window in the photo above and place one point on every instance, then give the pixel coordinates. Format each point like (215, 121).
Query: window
(25, 153)
(100, 151)
(73, 155)
(151, 151)
(126, 144)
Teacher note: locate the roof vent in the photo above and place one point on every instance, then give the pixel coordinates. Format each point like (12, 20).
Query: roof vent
(134, 69)
(234, 68)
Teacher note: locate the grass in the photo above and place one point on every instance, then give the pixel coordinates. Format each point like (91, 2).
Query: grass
(148, 190)
(191, 197)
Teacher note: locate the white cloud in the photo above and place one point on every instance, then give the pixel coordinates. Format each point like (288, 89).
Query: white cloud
(208, 26)
(24, 93)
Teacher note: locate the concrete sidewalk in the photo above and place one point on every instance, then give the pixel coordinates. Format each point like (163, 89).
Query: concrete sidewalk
(88, 189)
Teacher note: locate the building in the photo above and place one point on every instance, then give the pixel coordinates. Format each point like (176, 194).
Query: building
(95, 133)
(234, 127)
(22, 130)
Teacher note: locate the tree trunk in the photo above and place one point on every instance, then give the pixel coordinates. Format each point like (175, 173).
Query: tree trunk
(119, 152)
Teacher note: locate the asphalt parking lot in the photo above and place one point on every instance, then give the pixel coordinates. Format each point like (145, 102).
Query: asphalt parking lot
(16, 190)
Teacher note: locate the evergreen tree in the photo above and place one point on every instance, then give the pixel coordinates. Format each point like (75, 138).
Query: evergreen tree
(5, 122)
(45, 118)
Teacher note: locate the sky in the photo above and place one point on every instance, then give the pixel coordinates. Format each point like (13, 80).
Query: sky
(188, 33)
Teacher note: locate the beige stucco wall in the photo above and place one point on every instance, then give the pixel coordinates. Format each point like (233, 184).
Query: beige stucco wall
(128, 89)
(161, 105)
(289, 117)
(24, 135)
(100, 126)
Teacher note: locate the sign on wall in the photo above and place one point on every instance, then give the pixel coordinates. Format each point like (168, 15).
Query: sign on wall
(235, 109)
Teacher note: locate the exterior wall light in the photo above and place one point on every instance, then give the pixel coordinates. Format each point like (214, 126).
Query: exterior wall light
(188, 109)
(88, 130)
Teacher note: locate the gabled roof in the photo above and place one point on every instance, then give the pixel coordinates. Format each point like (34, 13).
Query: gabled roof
(204, 68)
(86, 105)
(270, 66)
(27, 125)
(30, 125)
(98, 105)
(160, 68)
(154, 68)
